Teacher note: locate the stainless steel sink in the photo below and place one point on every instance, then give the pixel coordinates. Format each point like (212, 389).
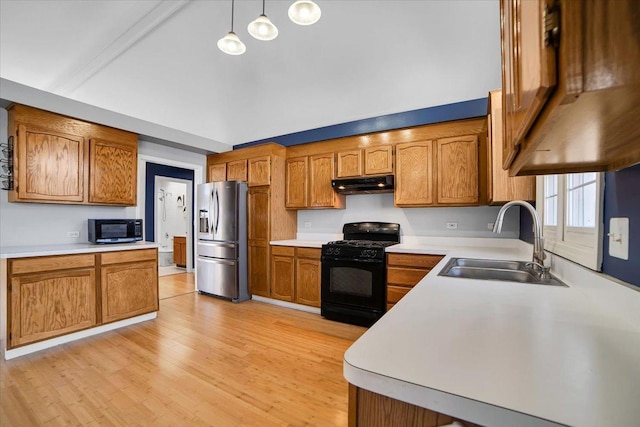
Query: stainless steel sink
(491, 269)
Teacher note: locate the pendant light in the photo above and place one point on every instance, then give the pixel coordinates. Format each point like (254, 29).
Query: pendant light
(231, 44)
(262, 28)
(304, 12)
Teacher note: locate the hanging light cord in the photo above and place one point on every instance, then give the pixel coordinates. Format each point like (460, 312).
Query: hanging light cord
(263, 6)
(232, 2)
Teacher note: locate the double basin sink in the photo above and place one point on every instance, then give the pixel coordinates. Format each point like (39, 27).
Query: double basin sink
(490, 269)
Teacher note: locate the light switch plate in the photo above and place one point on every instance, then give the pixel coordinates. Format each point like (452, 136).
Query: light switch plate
(619, 238)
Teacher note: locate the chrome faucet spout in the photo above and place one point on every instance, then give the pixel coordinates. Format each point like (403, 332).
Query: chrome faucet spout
(538, 241)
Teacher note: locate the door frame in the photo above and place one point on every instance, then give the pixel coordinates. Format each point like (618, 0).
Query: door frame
(198, 174)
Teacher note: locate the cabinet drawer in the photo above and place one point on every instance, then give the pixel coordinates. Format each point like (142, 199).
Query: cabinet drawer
(308, 253)
(49, 263)
(414, 260)
(282, 250)
(395, 293)
(129, 256)
(404, 276)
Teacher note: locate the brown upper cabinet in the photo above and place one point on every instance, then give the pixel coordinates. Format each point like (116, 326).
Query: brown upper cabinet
(237, 170)
(349, 163)
(501, 187)
(217, 172)
(112, 171)
(259, 171)
(297, 192)
(308, 182)
(443, 172)
(414, 174)
(377, 161)
(571, 91)
(58, 159)
(457, 170)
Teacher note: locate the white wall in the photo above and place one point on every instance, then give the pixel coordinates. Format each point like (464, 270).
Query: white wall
(44, 224)
(472, 221)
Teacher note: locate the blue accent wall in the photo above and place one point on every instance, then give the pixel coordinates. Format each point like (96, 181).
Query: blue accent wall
(423, 116)
(622, 200)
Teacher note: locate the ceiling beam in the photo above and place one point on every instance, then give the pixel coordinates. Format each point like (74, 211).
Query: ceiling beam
(69, 82)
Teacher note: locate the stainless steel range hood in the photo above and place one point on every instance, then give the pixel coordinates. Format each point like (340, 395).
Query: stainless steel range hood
(363, 185)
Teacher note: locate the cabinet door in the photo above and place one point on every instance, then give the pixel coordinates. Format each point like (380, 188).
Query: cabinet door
(296, 194)
(259, 171)
(129, 290)
(113, 168)
(217, 172)
(501, 187)
(308, 273)
(414, 174)
(378, 160)
(180, 251)
(50, 165)
(48, 304)
(258, 206)
(321, 172)
(237, 170)
(349, 163)
(528, 71)
(282, 277)
(457, 170)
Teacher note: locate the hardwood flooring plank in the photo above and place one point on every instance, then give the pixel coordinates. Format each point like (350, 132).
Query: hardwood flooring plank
(203, 361)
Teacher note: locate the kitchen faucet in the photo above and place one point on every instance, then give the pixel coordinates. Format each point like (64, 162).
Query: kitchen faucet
(538, 241)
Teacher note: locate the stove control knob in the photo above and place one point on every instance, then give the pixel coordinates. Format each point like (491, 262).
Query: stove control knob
(333, 251)
(368, 253)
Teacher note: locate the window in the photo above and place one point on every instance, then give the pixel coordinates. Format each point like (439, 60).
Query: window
(570, 207)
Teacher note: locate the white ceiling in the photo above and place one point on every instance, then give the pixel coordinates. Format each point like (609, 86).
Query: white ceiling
(158, 61)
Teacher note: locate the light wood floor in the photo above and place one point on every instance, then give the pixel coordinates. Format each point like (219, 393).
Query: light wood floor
(176, 284)
(203, 361)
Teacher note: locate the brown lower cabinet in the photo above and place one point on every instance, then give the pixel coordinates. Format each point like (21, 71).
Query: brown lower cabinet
(51, 296)
(180, 251)
(404, 271)
(295, 274)
(367, 408)
(129, 284)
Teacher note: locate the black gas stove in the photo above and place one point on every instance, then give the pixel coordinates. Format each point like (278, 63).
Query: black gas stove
(354, 273)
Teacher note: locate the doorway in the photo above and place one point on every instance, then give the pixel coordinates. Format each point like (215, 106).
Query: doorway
(172, 223)
(151, 169)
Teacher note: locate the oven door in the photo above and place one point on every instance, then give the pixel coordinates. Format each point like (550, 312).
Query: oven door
(357, 283)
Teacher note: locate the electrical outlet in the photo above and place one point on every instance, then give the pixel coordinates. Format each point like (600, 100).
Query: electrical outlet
(490, 226)
(75, 234)
(452, 225)
(307, 224)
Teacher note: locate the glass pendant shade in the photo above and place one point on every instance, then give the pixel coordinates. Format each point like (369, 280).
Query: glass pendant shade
(231, 44)
(262, 28)
(304, 12)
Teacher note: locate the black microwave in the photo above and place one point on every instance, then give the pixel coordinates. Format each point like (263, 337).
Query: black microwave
(115, 230)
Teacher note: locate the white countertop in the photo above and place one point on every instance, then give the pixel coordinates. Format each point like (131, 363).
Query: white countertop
(299, 243)
(507, 354)
(67, 249)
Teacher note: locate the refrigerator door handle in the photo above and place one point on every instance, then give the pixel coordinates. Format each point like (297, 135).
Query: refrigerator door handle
(217, 200)
(216, 261)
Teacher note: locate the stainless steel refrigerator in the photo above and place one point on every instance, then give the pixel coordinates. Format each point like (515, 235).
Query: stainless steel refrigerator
(221, 268)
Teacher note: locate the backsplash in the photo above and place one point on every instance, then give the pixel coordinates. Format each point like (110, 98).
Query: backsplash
(471, 221)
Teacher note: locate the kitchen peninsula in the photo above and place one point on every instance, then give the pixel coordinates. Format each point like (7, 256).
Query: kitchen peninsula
(501, 353)
(58, 293)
